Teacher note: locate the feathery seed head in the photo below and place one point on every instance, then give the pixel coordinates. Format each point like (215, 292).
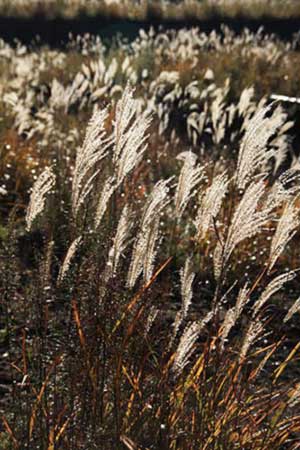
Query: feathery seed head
(210, 204)
(185, 347)
(68, 258)
(41, 188)
(254, 153)
(190, 176)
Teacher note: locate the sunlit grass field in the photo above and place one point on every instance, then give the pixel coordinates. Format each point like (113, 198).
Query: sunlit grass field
(149, 243)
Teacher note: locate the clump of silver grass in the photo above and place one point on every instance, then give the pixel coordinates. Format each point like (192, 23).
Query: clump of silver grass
(41, 188)
(129, 141)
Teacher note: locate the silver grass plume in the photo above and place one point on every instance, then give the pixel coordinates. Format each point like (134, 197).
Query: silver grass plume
(284, 188)
(108, 189)
(233, 314)
(293, 310)
(185, 347)
(144, 251)
(286, 229)
(156, 202)
(253, 154)
(120, 242)
(254, 331)
(218, 117)
(151, 247)
(279, 194)
(186, 279)
(40, 189)
(245, 101)
(247, 219)
(229, 321)
(210, 204)
(93, 150)
(274, 286)
(137, 259)
(68, 258)
(190, 176)
(130, 139)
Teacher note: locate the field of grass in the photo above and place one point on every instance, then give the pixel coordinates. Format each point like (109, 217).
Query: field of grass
(149, 243)
(150, 9)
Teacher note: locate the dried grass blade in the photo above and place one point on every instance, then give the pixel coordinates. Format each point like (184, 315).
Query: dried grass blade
(283, 365)
(128, 443)
(141, 292)
(78, 324)
(10, 432)
(40, 395)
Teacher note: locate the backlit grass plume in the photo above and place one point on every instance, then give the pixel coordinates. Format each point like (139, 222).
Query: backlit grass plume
(186, 345)
(234, 313)
(93, 150)
(248, 219)
(186, 279)
(68, 258)
(287, 227)
(210, 203)
(144, 249)
(41, 188)
(274, 286)
(120, 242)
(190, 176)
(129, 136)
(128, 144)
(254, 153)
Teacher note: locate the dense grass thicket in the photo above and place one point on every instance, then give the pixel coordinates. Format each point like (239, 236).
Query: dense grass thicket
(149, 243)
(152, 9)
